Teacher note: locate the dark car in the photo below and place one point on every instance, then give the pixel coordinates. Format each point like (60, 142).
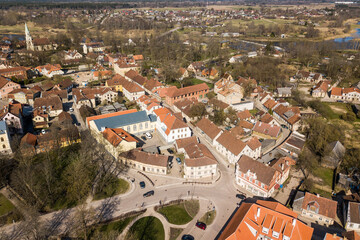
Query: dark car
(170, 151)
(143, 138)
(142, 184)
(284, 126)
(178, 160)
(149, 193)
(201, 225)
(187, 237)
(241, 196)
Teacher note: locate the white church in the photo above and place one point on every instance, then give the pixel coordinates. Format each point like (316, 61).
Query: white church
(38, 44)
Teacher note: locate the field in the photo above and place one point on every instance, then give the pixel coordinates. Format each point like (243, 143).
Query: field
(34, 30)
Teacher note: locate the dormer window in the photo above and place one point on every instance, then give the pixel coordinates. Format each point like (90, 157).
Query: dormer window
(265, 230)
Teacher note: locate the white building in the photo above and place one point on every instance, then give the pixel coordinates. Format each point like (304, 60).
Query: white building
(170, 127)
(195, 168)
(5, 147)
(352, 216)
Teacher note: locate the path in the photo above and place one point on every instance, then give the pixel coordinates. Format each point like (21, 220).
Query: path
(204, 79)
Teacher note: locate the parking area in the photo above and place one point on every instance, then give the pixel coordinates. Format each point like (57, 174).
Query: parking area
(155, 140)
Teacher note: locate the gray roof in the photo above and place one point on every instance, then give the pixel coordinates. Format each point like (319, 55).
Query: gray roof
(2, 126)
(122, 120)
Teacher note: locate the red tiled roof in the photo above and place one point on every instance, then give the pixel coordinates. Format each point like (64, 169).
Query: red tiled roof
(327, 207)
(242, 115)
(267, 129)
(188, 90)
(208, 127)
(248, 221)
(146, 158)
(231, 143)
(116, 136)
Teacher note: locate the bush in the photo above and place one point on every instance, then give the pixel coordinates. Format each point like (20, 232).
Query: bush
(350, 116)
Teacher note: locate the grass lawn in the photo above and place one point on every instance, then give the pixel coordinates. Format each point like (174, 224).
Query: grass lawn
(8, 212)
(192, 207)
(112, 227)
(176, 214)
(175, 232)
(208, 217)
(118, 186)
(147, 228)
(325, 174)
(322, 193)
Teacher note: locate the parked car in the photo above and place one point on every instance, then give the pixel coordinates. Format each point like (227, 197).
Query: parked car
(178, 160)
(201, 225)
(71, 109)
(149, 193)
(142, 184)
(187, 237)
(284, 126)
(241, 196)
(148, 135)
(170, 151)
(143, 138)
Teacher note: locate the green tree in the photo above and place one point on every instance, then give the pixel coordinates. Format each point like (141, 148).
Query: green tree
(198, 110)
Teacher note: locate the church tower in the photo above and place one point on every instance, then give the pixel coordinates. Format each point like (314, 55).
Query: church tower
(29, 42)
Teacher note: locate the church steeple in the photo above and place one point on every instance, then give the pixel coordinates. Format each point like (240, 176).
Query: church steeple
(29, 42)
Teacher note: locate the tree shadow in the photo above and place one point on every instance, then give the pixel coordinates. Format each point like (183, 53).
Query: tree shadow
(106, 210)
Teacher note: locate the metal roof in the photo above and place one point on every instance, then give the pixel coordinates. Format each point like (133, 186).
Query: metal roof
(122, 120)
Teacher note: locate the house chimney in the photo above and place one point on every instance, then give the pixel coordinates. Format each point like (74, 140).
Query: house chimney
(317, 195)
(282, 167)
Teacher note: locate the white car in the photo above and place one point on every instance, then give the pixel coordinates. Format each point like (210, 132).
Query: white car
(148, 135)
(71, 109)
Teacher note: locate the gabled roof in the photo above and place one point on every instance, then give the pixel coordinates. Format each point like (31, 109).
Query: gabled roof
(188, 90)
(116, 136)
(146, 158)
(64, 116)
(199, 162)
(208, 127)
(267, 129)
(231, 143)
(266, 118)
(264, 174)
(327, 207)
(52, 101)
(29, 139)
(248, 221)
(242, 115)
(116, 80)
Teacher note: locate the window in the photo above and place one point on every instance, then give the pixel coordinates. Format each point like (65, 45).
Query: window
(128, 128)
(2, 139)
(134, 128)
(4, 146)
(146, 125)
(140, 126)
